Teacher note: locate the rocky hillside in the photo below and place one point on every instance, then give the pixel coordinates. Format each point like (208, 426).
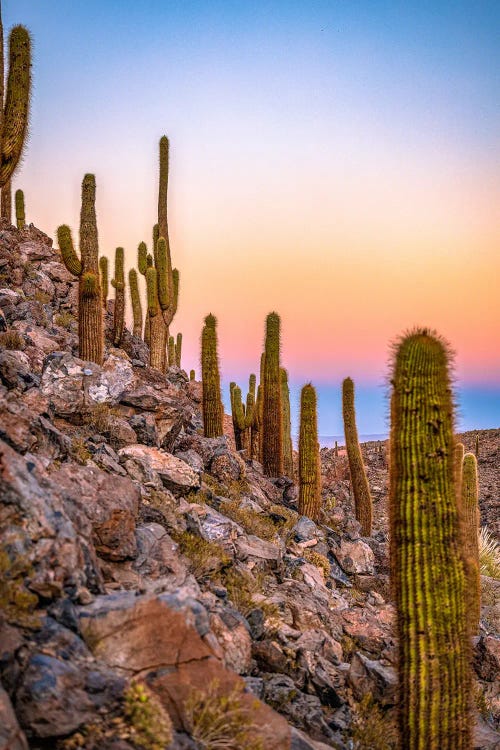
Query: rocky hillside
(156, 590)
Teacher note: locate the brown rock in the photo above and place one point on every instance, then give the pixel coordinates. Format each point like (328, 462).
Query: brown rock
(11, 736)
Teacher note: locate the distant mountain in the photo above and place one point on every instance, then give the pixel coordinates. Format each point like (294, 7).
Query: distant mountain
(328, 441)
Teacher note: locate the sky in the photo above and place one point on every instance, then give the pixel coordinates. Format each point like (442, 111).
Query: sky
(335, 161)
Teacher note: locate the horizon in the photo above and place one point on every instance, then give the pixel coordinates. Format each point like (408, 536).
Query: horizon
(335, 163)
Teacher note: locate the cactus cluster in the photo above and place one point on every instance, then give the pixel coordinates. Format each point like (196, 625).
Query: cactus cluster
(359, 480)
(86, 268)
(428, 571)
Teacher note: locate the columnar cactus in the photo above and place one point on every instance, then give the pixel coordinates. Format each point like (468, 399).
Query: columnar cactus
(428, 573)
(192, 375)
(213, 411)
(178, 350)
(14, 100)
(359, 480)
(336, 450)
(168, 289)
(470, 514)
(287, 427)
(238, 414)
(104, 277)
(20, 212)
(6, 201)
(135, 299)
(118, 284)
(272, 425)
(171, 350)
(309, 462)
(457, 468)
(476, 446)
(155, 325)
(90, 322)
(142, 258)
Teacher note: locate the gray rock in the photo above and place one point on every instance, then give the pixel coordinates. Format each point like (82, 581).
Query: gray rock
(11, 735)
(305, 530)
(370, 676)
(192, 458)
(15, 370)
(175, 474)
(355, 557)
(304, 711)
(211, 525)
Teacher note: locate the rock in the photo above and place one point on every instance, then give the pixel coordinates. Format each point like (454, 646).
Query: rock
(160, 428)
(371, 629)
(301, 741)
(211, 525)
(355, 557)
(11, 736)
(252, 547)
(304, 530)
(158, 556)
(270, 656)
(227, 467)
(232, 634)
(193, 459)
(174, 473)
(370, 676)
(304, 711)
(487, 657)
(15, 370)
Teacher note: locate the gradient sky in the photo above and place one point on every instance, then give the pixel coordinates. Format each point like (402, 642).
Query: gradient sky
(334, 161)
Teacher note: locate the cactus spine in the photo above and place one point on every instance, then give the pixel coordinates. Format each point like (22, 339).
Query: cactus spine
(118, 284)
(213, 412)
(103, 273)
(14, 101)
(135, 299)
(359, 481)
(287, 427)
(470, 514)
(427, 568)
(272, 424)
(178, 350)
(90, 322)
(309, 463)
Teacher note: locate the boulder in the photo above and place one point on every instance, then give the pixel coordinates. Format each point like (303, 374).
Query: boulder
(15, 370)
(11, 735)
(370, 676)
(176, 475)
(355, 557)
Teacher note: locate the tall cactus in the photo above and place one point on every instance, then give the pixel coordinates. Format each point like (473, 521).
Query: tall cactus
(90, 319)
(168, 289)
(427, 568)
(272, 424)
(118, 284)
(238, 414)
(470, 514)
(156, 327)
(20, 210)
(171, 350)
(192, 375)
(287, 427)
(178, 350)
(309, 461)
(457, 468)
(213, 411)
(14, 100)
(104, 276)
(135, 299)
(6, 202)
(359, 480)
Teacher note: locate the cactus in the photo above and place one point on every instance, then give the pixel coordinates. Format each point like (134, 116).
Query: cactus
(168, 278)
(359, 481)
(155, 326)
(457, 469)
(213, 412)
(192, 375)
(118, 284)
(156, 237)
(287, 427)
(178, 350)
(6, 202)
(142, 258)
(14, 101)
(470, 515)
(272, 425)
(238, 414)
(90, 319)
(171, 350)
(476, 445)
(135, 299)
(103, 275)
(20, 212)
(336, 450)
(428, 572)
(309, 463)
(256, 431)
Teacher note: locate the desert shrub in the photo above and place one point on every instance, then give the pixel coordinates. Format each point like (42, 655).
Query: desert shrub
(371, 728)
(221, 722)
(319, 560)
(205, 558)
(64, 320)
(79, 451)
(42, 297)
(258, 524)
(11, 340)
(17, 604)
(150, 725)
(489, 554)
(98, 419)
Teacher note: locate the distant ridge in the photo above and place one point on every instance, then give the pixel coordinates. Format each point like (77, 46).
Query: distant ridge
(328, 441)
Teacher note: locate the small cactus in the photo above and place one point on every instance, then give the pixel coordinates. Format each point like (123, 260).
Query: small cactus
(142, 258)
(309, 461)
(272, 424)
(178, 350)
(135, 299)
(104, 277)
(470, 515)
(118, 284)
(171, 350)
(287, 426)
(6, 202)
(86, 268)
(336, 450)
(192, 375)
(476, 446)
(428, 572)
(155, 326)
(15, 97)
(359, 480)
(238, 414)
(213, 412)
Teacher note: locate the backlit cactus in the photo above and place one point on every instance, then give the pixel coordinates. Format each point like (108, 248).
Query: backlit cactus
(6, 202)
(168, 278)
(457, 465)
(178, 350)
(192, 375)
(213, 412)
(171, 350)
(238, 414)
(359, 480)
(428, 573)
(90, 318)
(104, 277)
(272, 424)
(15, 96)
(155, 325)
(309, 461)
(135, 299)
(118, 284)
(470, 517)
(287, 426)
(20, 210)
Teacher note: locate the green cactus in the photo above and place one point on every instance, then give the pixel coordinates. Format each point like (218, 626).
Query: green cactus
(135, 299)
(118, 284)
(171, 350)
(6, 202)
(90, 319)
(213, 411)
(272, 425)
(178, 350)
(192, 375)
(476, 446)
(156, 237)
(287, 427)
(359, 481)
(457, 468)
(428, 571)
(20, 212)
(470, 515)
(238, 414)
(336, 450)
(14, 101)
(309, 462)
(156, 326)
(142, 258)
(168, 289)
(104, 276)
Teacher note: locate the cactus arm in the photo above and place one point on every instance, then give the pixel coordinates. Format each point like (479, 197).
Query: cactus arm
(103, 268)
(135, 299)
(178, 350)
(156, 237)
(142, 256)
(20, 212)
(6, 201)
(359, 480)
(171, 350)
(17, 101)
(69, 256)
(118, 283)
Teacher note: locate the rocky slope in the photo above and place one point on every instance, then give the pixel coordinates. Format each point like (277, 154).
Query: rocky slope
(155, 587)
